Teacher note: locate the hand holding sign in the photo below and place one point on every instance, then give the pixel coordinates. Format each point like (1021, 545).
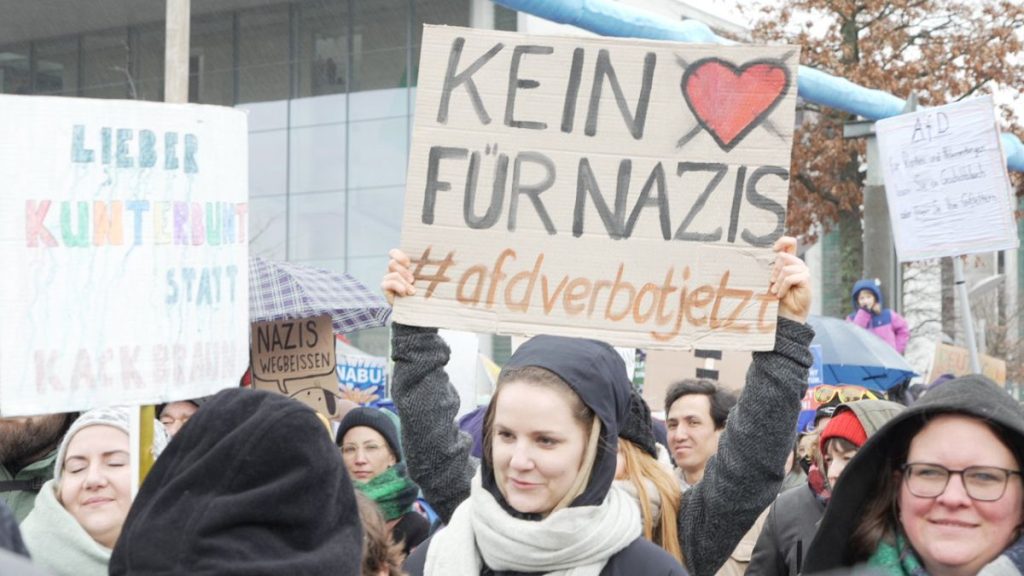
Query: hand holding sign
(791, 281)
(399, 279)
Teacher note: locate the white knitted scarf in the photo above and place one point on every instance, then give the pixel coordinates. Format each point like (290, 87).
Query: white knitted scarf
(575, 541)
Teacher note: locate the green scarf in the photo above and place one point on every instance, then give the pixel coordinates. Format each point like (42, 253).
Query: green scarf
(392, 490)
(896, 559)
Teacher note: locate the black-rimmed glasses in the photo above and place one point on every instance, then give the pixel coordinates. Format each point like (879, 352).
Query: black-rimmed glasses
(982, 483)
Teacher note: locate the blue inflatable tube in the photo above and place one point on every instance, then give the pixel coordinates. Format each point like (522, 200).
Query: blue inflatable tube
(609, 18)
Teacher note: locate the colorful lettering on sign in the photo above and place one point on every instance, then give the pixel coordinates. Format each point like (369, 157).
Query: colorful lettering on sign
(81, 224)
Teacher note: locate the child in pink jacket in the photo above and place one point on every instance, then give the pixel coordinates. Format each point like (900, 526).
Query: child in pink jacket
(869, 314)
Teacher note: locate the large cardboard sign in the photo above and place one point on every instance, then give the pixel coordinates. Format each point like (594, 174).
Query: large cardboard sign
(296, 358)
(624, 190)
(946, 181)
(123, 238)
(956, 360)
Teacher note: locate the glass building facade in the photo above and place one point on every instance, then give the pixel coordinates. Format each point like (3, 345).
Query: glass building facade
(329, 86)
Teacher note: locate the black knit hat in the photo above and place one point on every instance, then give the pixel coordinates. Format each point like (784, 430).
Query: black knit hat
(252, 484)
(639, 428)
(371, 418)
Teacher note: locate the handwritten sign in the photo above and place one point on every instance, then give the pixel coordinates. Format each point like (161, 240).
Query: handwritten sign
(624, 190)
(946, 182)
(956, 360)
(296, 358)
(123, 233)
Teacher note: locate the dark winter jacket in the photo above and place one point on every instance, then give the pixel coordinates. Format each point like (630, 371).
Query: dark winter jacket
(970, 395)
(420, 356)
(739, 482)
(887, 325)
(253, 485)
(793, 518)
(411, 530)
(788, 531)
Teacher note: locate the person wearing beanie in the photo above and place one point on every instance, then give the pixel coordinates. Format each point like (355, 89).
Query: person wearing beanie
(542, 499)
(79, 514)
(838, 443)
(372, 453)
(793, 519)
(252, 486)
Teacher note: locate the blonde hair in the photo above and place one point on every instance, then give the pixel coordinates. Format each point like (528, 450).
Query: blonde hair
(639, 469)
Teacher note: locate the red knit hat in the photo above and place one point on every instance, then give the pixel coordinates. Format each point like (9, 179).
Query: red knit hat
(843, 425)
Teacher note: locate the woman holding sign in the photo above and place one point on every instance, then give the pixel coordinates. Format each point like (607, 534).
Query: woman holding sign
(542, 499)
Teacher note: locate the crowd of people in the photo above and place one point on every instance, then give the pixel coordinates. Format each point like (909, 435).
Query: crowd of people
(564, 471)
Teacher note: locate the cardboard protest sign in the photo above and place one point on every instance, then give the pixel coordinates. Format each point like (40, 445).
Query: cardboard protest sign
(123, 235)
(946, 181)
(666, 367)
(296, 358)
(956, 360)
(363, 379)
(624, 190)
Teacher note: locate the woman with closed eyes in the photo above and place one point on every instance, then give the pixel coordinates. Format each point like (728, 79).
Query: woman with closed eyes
(79, 513)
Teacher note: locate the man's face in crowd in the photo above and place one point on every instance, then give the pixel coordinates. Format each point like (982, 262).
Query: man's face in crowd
(691, 433)
(26, 439)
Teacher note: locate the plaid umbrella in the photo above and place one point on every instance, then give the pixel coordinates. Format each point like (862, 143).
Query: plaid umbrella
(279, 290)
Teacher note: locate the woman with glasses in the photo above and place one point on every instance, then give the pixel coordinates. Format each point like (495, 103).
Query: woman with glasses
(936, 491)
(373, 456)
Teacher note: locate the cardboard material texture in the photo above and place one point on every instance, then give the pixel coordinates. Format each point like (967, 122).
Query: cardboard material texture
(123, 234)
(666, 367)
(296, 358)
(624, 190)
(957, 361)
(946, 181)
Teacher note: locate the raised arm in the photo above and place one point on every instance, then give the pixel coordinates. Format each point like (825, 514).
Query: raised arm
(436, 451)
(744, 475)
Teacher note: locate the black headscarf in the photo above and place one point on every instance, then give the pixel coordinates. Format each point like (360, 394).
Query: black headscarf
(595, 372)
(974, 395)
(253, 485)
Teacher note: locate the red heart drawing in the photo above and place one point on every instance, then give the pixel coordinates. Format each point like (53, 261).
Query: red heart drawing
(730, 102)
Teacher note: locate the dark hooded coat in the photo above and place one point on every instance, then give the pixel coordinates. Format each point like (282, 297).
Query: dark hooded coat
(970, 395)
(740, 481)
(253, 485)
(602, 384)
(793, 519)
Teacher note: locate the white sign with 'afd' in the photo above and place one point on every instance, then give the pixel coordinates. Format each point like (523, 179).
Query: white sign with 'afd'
(946, 181)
